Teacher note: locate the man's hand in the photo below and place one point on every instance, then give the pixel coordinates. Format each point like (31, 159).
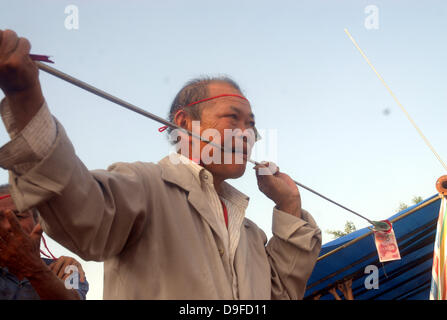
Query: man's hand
(19, 252)
(58, 267)
(280, 188)
(19, 78)
(333, 291)
(346, 289)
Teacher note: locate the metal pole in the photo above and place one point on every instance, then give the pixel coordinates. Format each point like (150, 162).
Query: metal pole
(131, 107)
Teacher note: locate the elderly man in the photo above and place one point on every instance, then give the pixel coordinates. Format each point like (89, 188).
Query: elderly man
(23, 274)
(168, 230)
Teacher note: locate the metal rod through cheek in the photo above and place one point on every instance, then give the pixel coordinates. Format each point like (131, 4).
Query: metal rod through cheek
(129, 106)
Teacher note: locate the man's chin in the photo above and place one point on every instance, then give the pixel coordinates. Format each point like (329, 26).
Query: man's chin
(228, 171)
(234, 171)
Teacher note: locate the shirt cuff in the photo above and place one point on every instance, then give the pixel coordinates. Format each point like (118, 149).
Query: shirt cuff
(284, 225)
(30, 145)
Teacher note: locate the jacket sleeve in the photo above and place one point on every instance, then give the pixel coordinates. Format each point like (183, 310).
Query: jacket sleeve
(95, 214)
(292, 252)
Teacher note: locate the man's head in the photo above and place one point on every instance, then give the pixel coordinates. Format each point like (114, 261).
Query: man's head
(28, 219)
(216, 116)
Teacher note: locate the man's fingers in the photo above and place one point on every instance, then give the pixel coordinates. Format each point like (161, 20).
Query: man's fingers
(10, 42)
(13, 221)
(36, 234)
(81, 272)
(37, 229)
(82, 275)
(24, 46)
(266, 168)
(61, 271)
(60, 268)
(57, 266)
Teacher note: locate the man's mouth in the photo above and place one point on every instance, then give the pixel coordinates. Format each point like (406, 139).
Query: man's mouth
(242, 153)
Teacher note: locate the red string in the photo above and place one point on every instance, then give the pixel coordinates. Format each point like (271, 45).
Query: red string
(5, 196)
(41, 251)
(225, 213)
(46, 247)
(39, 57)
(161, 129)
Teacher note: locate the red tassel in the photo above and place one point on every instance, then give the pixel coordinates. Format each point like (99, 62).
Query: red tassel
(39, 57)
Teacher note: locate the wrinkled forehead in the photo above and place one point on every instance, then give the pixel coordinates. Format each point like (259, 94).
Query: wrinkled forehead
(236, 103)
(219, 88)
(223, 105)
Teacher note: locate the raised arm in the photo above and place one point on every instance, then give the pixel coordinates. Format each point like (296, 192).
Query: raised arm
(94, 214)
(19, 78)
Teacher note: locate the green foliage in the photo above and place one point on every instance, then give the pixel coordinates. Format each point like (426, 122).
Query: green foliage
(349, 227)
(403, 205)
(417, 199)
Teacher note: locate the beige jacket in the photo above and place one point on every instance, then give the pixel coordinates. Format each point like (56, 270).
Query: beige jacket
(150, 225)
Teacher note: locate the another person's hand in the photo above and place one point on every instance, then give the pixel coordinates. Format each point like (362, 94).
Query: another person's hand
(333, 291)
(59, 268)
(346, 288)
(19, 252)
(280, 188)
(19, 78)
(317, 297)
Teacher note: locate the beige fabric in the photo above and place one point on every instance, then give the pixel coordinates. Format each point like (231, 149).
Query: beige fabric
(30, 145)
(236, 203)
(156, 232)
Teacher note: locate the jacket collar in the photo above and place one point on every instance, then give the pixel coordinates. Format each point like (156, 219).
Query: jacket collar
(176, 172)
(173, 170)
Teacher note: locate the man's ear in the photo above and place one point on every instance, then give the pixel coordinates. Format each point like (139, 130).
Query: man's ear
(183, 120)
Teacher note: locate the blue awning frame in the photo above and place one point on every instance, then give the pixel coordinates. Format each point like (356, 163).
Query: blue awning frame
(408, 278)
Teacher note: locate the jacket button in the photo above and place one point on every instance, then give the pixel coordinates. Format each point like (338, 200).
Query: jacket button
(221, 252)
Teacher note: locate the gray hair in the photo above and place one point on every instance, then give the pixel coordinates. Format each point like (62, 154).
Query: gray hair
(195, 90)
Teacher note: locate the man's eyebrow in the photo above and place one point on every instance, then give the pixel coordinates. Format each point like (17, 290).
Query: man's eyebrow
(239, 111)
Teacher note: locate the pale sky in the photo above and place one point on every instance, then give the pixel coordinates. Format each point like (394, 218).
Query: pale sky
(338, 129)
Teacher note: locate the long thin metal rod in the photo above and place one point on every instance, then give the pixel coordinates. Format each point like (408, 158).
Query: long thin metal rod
(131, 107)
(332, 201)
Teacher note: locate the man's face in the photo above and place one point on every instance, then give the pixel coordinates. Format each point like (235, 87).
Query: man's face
(226, 113)
(26, 218)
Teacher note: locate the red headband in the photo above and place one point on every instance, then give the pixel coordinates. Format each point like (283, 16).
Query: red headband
(161, 129)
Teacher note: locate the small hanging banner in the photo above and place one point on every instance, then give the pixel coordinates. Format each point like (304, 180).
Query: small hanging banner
(386, 244)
